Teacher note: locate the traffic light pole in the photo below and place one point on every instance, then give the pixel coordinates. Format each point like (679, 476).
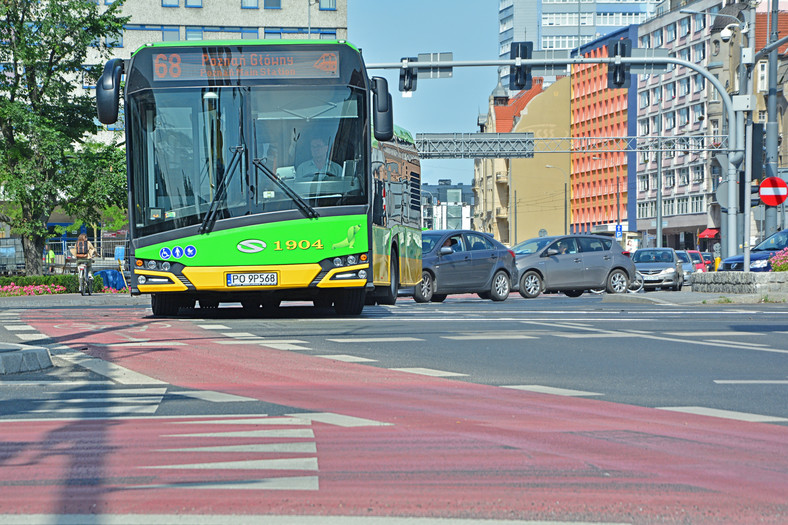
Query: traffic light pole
(735, 142)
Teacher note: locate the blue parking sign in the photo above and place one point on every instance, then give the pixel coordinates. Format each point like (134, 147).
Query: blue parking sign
(619, 232)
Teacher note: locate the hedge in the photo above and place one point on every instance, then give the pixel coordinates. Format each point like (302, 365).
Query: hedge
(69, 281)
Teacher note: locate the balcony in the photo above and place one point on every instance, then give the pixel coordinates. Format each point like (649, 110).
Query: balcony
(501, 213)
(501, 178)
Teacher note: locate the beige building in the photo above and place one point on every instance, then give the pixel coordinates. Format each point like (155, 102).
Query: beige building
(539, 187)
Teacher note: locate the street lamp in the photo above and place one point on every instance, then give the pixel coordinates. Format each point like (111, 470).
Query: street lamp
(309, 4)
(566, 196)
(618, 191)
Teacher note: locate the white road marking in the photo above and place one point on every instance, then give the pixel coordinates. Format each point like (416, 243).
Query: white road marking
(253, 464)
(240, 334)
(347, 358)
(553, 390)
(18, 327)
(111, 370)
(212, 396)
(263, 420)
(340, 420)
(133, 399)
(130, 409)
(304, 447)
(65, 384)
(282, 346)
(483, 337)
(121, 391)
(240, 341)
(31, 337)
(428, 372)
(598, 335)
(713, 334)
(751, 381)
(282, 483)
(376, 340)
(214, 326)
(140, 344)
(727, 414)
(278, 433)
(755, 346)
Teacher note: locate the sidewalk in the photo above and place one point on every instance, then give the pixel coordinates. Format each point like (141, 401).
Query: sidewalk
(687, 297)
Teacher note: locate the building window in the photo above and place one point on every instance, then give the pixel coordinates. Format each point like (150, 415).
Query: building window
(657, 38)
(670, 179)
(193, 3)
(670, 91)
(683, 177)
(684, 26)
(114, 41)
(697, 174)
(645, 41)
(700, 22)
(682, 205)
(643, 126)
(643, 99)
(699, 50)
(272, 4)
(700, 82)
(170, 33)
(193, 33)
(670, 33)
(696, 203)
(249, 33)
(250, 4)
(656, 95)
(699, 112)
(328, 5)
(170, 3)
(642, 182)
(683, 116)
(684, 87)
(684, 54)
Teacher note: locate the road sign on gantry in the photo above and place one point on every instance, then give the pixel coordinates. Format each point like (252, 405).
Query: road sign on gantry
(773, 191)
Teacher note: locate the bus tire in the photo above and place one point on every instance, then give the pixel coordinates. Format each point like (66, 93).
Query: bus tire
(389, 296)
(164, 304)
(350, 301)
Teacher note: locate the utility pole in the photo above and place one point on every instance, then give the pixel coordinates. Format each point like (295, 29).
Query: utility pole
(771, 122)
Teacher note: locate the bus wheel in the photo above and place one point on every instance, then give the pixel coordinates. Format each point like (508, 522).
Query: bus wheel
(350, 302)
(164, 304)
(390, 295)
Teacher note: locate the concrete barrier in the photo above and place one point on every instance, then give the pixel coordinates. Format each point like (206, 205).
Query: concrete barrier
(740, 282)
(16, 358)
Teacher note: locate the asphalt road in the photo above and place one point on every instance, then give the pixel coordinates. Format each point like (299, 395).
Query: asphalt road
(640, 408)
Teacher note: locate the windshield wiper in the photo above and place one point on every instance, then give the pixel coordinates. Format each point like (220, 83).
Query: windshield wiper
(210, 216)
(308, 211)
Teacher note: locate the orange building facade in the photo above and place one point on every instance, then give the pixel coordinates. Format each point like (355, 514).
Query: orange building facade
(600, 184)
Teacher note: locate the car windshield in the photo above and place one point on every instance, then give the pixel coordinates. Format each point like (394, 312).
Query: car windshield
(778, 241)
(531, 246)
(696, 257)
(650, 256)
(683, 257)
(428, 241)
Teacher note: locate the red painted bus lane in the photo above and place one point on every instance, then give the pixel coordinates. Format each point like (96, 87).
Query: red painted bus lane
(429, 447)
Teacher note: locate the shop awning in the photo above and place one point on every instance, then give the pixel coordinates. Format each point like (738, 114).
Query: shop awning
(708, 233)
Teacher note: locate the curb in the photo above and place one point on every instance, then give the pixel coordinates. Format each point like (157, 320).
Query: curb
(16, 358)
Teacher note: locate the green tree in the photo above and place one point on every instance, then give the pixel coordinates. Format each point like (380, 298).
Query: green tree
(47, 157)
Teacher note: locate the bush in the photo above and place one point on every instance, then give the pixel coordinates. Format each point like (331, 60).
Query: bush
(779, 261)
(45, 284)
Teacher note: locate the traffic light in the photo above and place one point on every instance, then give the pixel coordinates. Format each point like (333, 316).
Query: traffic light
(520, 76)
(618, 74)
(408, 76)
(758, 151)
(753, 192)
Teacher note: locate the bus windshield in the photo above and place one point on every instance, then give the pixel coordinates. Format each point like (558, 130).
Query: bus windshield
(243, 150)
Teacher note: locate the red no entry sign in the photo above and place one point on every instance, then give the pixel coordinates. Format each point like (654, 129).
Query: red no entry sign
(773, 191)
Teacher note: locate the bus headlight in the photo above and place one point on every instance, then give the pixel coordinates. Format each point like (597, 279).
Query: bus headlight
(338, 261)
(165, 266)
(362, 274)
(151, 265)
(141, 279)
(351, 259)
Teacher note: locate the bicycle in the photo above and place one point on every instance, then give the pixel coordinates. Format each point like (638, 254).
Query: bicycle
(635, 285)
(85, 279)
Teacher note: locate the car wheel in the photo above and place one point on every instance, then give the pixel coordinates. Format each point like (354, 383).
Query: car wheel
(573, 293)
(423, 291)
(500, 286)
(438, 297)
(617, 282)
(531, 285)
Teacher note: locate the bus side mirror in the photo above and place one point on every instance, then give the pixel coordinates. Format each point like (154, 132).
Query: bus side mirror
(108, 91)
(382, 115)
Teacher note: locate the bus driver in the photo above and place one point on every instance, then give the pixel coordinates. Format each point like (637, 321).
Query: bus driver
(319, 166)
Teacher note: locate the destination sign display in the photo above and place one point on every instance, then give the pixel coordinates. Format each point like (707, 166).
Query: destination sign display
(233, 63)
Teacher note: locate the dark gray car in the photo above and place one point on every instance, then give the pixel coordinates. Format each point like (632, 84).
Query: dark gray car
(661, 268)
(464, 261)
(572, 264)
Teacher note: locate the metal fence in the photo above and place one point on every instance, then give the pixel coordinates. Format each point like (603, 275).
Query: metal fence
(110, 254)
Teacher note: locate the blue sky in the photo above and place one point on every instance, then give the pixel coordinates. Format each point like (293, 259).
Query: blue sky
(388, 31)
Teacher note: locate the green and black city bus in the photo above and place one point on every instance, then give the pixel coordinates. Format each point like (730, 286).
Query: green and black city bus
(226, 199)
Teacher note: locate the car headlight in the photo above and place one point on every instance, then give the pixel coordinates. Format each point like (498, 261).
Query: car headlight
(668, 271)
(763, 263)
